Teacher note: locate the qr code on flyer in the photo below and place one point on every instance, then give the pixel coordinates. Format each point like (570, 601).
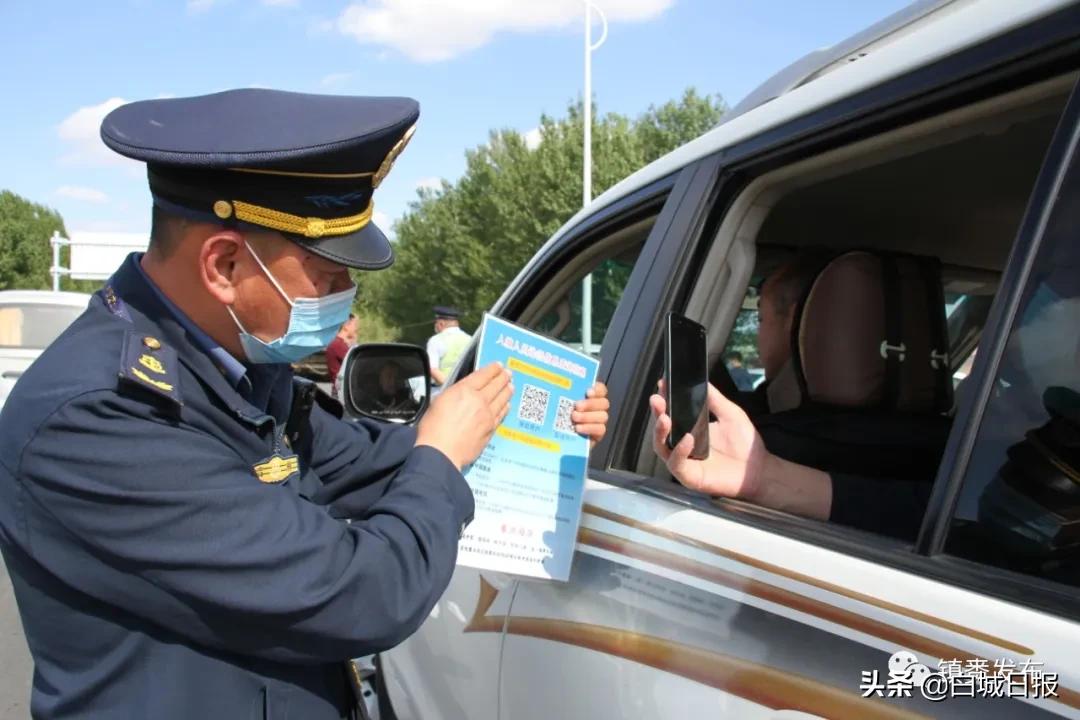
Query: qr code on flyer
(563, 423)
(534, 404)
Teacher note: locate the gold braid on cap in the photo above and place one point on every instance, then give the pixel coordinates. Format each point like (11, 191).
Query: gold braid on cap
(311, 227)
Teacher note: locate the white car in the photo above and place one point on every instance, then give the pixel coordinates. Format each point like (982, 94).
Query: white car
(946, 138)
(29, 321)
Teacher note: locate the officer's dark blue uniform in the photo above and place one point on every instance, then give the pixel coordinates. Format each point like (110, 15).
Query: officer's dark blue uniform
(174, 553)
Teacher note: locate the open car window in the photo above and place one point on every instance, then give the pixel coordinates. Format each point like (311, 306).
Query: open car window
(922, 207)
(1019, 506)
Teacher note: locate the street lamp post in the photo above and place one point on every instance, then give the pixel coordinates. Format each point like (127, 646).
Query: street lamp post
(586, 165)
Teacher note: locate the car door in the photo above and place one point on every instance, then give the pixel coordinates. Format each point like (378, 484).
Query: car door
(680, 606)
(450, 667)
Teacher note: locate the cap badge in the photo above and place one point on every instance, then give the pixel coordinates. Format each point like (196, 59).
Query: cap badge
(388, 163)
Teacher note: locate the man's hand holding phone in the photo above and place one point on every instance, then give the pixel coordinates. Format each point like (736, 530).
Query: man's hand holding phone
(686, 377)
(737, 456)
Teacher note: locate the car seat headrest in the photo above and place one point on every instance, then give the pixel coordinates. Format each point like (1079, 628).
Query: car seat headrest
(870, 333)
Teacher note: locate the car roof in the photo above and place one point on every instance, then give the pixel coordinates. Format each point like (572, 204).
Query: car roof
(44, 297)
(918, 35)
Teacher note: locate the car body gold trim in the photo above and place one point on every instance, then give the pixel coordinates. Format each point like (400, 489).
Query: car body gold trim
(809, 580)
(762, 684)
(1066, 696)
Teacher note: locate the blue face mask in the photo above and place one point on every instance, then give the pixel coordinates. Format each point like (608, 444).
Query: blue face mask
(313, 323)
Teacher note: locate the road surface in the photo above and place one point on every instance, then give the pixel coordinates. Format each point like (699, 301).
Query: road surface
(14, 657)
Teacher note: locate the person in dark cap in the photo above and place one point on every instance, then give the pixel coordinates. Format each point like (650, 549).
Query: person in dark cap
(189, 534)
(448, 344)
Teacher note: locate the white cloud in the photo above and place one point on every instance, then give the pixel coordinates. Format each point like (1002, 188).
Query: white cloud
(429, 183)
(384, 223)
(81, 130)
(200, 6)
(335, 80)
(532, 138)
(77, 192)
(434, 30)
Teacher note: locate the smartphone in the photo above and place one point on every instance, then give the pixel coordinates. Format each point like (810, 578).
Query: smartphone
(686, 380)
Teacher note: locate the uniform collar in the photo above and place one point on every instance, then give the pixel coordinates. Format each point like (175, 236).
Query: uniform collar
(253, 392)
(233, 370)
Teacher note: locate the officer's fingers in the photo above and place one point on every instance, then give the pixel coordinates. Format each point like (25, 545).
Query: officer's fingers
(481, 377)
(592, 404)
(598, 390)
(502, 401)
(502, 415)
(593, 432)
(658, 405)
(495, 385)
(596, 417)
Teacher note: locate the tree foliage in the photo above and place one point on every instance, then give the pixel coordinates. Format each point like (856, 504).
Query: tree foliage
(461, 244)
(25, 252)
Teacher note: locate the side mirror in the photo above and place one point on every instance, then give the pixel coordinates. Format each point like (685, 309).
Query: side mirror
(386, 381)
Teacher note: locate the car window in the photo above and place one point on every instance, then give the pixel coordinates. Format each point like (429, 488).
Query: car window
(1019, 506)
(555, 306)
(740, 355)
(608, 279)
(863, 386)
(32, 326)
(965, 315)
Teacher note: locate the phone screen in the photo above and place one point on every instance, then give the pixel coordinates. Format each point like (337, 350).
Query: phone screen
(687, 378)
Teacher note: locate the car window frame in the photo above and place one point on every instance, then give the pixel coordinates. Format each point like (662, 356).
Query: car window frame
(1043, 49)
(1062, 158)
(655, 198)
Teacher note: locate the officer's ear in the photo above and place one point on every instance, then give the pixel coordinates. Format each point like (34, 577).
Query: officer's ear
(219, 258)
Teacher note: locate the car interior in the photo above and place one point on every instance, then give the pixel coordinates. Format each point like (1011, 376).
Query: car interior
(915, 226)
(918, 224)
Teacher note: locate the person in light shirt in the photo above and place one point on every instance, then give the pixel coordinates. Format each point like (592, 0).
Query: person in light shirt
(447, 344)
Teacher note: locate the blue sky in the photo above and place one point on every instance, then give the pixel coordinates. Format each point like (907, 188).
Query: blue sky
(474, 65)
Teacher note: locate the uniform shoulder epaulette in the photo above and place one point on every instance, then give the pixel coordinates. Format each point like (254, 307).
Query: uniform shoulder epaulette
(148, 363)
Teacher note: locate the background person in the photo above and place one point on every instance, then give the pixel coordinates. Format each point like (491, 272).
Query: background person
(778, 304)
(743, 380)
(339, 348)
(447, 345)
(393, 392)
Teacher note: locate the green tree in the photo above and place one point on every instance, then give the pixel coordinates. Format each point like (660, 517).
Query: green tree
(461, 244)
(25, 252)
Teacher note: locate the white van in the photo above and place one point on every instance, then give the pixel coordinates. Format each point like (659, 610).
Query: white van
(944, 139)
(29, 321)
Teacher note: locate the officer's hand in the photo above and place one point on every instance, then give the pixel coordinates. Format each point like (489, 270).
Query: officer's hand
(590, 415)
(463, 418)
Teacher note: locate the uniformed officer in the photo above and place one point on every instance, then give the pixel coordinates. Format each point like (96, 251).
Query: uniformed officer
(175, 529)
(448, 344)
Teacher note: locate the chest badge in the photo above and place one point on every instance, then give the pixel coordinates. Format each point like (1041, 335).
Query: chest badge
(276, 468)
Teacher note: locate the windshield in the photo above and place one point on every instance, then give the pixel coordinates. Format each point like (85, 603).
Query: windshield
(34, 326)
